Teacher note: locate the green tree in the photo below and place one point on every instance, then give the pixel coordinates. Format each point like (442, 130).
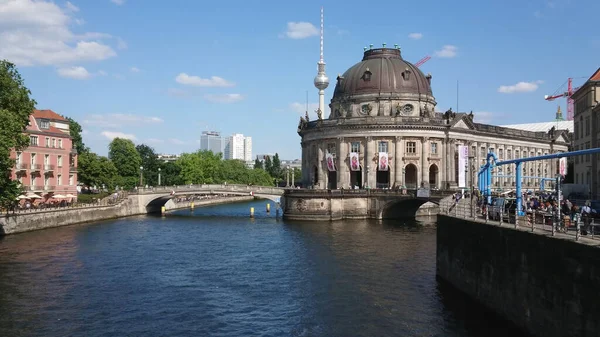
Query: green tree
(268, 165)
(297, 175)
(127, 160)
(258, 164)
(96, 171)
(276, 171)
(15, 108)
(150, 164)
(199, 167)
(170, 174)
(75, 133)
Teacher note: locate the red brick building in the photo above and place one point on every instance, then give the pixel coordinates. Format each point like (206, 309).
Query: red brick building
(48, 167)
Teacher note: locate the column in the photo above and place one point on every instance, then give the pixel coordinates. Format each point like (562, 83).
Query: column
(304, 166)
(320, 159)
(369, 164)
(398, 164)
(365, 167)
(424, 168)
(443, 165)
(342, 174)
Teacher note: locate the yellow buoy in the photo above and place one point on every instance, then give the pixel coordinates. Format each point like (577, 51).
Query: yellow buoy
(192, 205)
(252, 212)
(163, 209)
(268, 207)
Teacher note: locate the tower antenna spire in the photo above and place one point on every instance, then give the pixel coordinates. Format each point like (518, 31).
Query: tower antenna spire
(321, 80)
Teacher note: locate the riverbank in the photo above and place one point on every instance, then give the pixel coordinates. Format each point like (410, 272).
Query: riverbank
(14, 223)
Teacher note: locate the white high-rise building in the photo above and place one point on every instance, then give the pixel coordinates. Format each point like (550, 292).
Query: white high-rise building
(238, 147)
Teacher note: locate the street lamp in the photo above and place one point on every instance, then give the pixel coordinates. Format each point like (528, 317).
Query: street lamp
(293, 178)
(141, 171)
(159, 176)
(367, 177)
(287, 176)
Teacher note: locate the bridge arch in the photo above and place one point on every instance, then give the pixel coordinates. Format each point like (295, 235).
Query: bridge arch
(155, 202)
(405, 208)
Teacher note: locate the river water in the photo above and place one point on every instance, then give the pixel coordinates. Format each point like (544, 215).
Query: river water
(216, 272)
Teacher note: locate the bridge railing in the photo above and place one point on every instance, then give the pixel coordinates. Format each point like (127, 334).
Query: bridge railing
(208, 188)
(364, 192)
(536, 221)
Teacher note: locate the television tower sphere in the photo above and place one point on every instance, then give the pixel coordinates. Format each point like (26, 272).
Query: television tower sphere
(321, 81)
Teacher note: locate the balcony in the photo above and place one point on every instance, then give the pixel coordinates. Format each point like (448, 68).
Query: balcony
(37, 188)
(48, 167)
(49, 188)
(36, 167)
(21, 166)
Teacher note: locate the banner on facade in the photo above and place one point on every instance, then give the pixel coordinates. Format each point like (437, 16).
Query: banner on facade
(383, 161)
(354, 161)
(463, 162)
(563, 166)
(330, 163)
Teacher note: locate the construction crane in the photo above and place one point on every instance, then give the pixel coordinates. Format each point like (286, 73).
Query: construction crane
(567, 94)
(423, 60)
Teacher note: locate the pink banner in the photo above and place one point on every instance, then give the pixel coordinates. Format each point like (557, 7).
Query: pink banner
(354, 161)
(330, 163)
(383, 161)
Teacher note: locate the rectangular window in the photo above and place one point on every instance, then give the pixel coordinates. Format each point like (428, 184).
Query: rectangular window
(411, 147)
(331, 148)
(46, 159)
(501, 154)
(383, 147)
(355, 147)
(483, 153)
(491, 150)
(47, 142)
(59, 180)
(434, 148)
(71, 180)
(53, 142)
(508, 155)
(32, 159)
(60, 143)
(44, 124)
(33, 140)
(59, 161)
(587, 126)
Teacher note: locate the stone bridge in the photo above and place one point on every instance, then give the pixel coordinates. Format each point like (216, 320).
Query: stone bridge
(152, 199)
(306, 204)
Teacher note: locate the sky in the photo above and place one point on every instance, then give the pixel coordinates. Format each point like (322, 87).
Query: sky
(161, 72)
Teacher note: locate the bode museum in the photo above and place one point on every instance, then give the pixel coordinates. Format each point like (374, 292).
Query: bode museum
(384, 132)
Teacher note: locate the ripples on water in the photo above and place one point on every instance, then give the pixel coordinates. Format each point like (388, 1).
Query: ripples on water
(216, 272)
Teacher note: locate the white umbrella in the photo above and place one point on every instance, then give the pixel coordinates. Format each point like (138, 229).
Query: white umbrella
(58, 196)
(22, 197)
(70, 195)
(33, 196)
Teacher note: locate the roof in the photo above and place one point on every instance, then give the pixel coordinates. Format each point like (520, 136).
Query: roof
(48, 114)
(544, 126)
(595, 76)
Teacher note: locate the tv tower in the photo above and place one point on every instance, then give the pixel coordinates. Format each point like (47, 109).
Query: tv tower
(321, 80)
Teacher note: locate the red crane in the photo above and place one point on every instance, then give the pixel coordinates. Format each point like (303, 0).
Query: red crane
(567, 94)
(423, 60)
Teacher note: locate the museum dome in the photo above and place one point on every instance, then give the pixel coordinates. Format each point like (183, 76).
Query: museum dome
(382, 70)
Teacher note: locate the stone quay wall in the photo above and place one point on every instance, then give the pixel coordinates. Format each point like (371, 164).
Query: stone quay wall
(14, 223)
(546, 285)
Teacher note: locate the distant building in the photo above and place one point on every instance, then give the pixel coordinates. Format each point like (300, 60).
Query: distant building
(48, 166)
(212, 141)
(238, 147)
(587, 130)
(167, 157)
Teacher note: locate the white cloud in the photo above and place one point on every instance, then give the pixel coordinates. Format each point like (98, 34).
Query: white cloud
(520, 87)
(76, 73)
(134, 70)
(80, 21)
(223, 98)
(118, 2)
(38, 33)
(300, 109)
(71, 7)
(213, 81)
(300, 30)
(112, 135)
(177, 141)
(447, 51)
(121, 44)
(415, 36)
(115, 120)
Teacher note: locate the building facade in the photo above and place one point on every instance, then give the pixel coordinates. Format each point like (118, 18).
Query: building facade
(48, 166)
(212, 141)
(587, 129)
(238, 147)
(383, 132)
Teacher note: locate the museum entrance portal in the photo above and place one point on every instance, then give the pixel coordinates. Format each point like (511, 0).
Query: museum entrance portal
(410, 176)
(433, 176)
(356, 179)
(383, 179)
(332, 180)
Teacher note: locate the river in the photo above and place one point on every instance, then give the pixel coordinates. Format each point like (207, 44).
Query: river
(216, 272)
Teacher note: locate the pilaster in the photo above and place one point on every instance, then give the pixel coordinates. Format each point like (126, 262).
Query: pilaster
(424, 166)
(398, 162)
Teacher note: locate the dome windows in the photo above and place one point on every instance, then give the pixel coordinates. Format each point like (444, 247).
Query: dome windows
(406, 74)
(367, 75)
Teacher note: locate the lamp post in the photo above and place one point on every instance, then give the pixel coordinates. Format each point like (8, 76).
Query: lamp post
(159, 176)
(287, 176)
(141, 172)
(293, 178)
(367, 177)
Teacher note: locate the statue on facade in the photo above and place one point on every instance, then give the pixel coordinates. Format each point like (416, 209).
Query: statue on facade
(301, 124)
(426, 113)
(449, 114)
(552, 132)
(319, 114)
(306, 117)
(471, 115)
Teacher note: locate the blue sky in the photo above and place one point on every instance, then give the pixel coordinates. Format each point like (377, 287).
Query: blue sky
(162, 72)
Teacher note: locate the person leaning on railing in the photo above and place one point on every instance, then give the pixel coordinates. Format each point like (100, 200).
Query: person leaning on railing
(586, 217)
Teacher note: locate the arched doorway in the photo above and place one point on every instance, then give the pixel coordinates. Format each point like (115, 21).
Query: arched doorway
(356, 178)
(410, 176)
(433, 175)
(315, 176)
(332, 180)
(382, 178)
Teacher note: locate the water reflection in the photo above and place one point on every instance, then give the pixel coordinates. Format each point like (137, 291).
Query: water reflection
(216, 272)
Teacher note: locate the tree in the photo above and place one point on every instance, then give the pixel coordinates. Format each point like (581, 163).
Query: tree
(268, 165)
(150, 164)
(127, 160)
(258, 164)
(75, 133)
(199, 167)
(96, 171)
(276, 171)
(170, 174)
(15, 108)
